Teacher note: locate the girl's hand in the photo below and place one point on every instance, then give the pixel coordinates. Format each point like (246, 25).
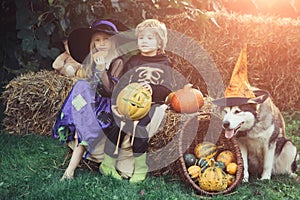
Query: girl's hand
(99, 60)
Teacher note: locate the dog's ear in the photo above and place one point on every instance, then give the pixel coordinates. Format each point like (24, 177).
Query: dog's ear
(261, 96)
(251, 107)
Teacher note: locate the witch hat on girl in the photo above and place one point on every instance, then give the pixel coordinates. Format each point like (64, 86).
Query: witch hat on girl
(239, 90)
(79, 39)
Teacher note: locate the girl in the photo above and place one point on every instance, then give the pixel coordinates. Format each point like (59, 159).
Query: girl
(86, 114)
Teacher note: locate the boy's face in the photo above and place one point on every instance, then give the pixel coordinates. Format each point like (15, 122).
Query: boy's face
(147, 43)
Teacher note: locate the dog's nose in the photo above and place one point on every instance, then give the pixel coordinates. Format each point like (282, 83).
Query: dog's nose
(226, 124)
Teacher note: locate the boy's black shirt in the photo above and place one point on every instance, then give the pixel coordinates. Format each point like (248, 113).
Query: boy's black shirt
(139, 59)
(157, 70)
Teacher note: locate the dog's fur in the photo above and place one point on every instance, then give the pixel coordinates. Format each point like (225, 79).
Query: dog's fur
(260, 132)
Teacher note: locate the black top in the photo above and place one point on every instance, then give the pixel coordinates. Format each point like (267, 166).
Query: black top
(156, 70)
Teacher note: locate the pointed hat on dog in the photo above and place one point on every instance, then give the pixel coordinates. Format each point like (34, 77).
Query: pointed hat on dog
(239, 90)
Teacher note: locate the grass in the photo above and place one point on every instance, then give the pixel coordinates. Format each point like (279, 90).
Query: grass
(31, 166)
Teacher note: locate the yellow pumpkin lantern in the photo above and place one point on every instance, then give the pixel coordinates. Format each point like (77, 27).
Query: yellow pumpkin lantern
(134, 101)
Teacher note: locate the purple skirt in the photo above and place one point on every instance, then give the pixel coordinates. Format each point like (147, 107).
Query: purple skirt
(86, 113)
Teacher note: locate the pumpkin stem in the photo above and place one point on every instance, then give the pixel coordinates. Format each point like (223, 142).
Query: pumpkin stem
(221, 146)
(188, 86)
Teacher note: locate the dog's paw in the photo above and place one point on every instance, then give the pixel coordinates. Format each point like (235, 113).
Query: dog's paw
(294, 176)
(265, 178)
(246, 179)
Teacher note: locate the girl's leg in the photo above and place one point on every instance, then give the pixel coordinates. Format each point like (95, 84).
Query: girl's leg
(108, 165)
(77, 154)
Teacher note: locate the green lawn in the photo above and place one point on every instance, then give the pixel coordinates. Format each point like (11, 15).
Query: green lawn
(31, 166)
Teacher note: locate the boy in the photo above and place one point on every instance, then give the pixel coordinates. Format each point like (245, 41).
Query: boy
(152, 68)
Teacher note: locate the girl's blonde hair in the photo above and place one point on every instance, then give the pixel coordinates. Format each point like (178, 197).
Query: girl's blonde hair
(158, 28)
(112, 54)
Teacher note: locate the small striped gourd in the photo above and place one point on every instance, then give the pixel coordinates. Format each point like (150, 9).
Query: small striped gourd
(220, 165)
(205, 150)
(204, 163)
(194, 171)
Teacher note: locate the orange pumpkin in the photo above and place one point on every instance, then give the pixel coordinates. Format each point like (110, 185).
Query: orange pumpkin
(186, 100)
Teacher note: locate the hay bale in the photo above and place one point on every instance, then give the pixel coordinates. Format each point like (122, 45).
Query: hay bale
(273, 49)
(33, 101)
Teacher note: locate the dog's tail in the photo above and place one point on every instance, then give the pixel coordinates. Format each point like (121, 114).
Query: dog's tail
(294, 164)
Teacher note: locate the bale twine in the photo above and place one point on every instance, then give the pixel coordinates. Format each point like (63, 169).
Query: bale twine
(33, 101)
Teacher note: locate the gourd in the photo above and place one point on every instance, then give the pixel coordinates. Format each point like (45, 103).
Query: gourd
(186, 100)
(231, 168)
(134, 101)
(226, 157)
(213, 179)
(204, 163)
(194, 171)
(81, 72)
(220, 165)
(189, 159)
(230, 179)
(205, 150)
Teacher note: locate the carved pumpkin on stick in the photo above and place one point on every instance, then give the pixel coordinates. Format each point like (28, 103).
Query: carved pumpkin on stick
(133, 102)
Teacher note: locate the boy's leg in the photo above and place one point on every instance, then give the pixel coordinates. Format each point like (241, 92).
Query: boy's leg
(108, 168)
(140, 147)
(140, 169)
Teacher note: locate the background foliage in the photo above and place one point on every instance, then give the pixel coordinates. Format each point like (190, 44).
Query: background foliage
(33, 30)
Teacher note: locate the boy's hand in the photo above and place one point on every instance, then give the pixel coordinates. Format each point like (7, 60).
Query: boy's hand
(114, 109)
(147, 86)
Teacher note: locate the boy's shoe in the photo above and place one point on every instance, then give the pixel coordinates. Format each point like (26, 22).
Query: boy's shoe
(107, 167)
(140, 169)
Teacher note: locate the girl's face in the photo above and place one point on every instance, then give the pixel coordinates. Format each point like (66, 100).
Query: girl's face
(147, 43)
(102, 43)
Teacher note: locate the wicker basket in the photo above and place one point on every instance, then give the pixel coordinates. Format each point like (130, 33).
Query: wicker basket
(227, 144)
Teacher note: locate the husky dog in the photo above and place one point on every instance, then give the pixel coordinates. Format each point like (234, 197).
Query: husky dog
(260, 132)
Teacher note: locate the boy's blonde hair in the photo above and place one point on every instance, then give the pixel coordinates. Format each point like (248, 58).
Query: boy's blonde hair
(159, 29)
